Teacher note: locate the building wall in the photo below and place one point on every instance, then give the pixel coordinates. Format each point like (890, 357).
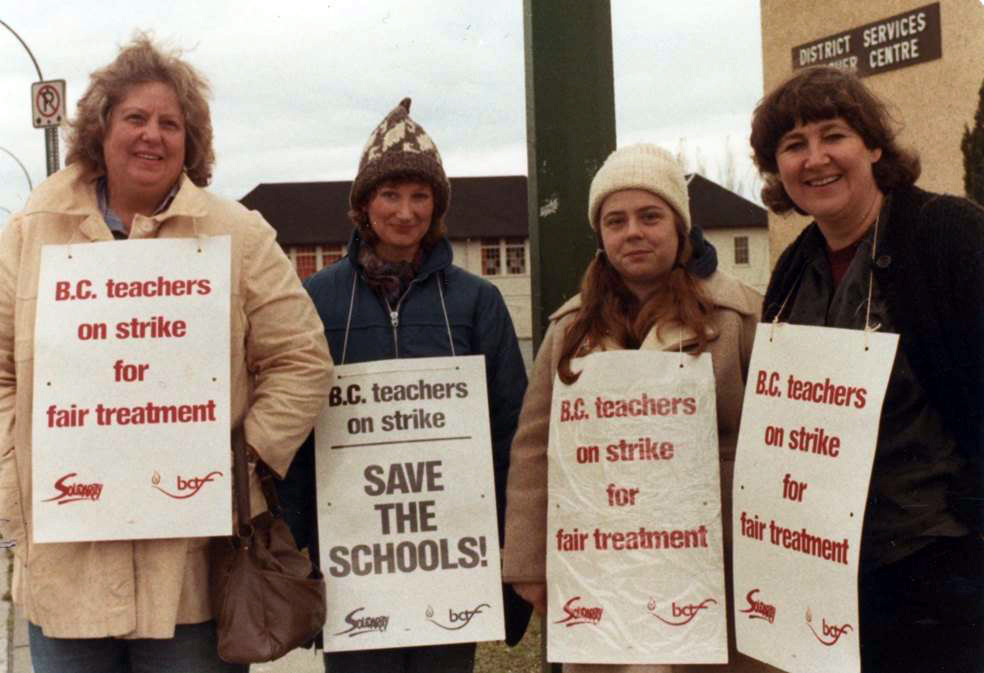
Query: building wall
(756, 271)
(515, 289)
(932, 100)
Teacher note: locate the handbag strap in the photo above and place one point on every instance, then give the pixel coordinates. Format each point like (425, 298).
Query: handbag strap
(240, 486)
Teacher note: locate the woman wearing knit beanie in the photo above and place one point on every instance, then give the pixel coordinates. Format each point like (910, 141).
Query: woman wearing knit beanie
(396, 294)
(638, 293)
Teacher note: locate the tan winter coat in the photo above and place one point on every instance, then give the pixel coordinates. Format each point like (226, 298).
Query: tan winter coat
(733, 325)
(280, 369)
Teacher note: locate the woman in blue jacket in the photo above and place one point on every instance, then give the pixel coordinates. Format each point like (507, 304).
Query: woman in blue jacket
(396, 294)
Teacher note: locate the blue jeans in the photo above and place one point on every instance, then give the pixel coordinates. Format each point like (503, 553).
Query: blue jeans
(193, 649)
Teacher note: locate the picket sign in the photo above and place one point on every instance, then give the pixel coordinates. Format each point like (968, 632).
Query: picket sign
(130, 427)
(634, 549)
(406, 505)
(809, 428)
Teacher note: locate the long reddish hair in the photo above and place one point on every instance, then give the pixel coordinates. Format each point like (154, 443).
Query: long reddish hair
(609, 310)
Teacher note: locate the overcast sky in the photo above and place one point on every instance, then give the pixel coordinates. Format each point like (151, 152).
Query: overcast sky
(298, 86)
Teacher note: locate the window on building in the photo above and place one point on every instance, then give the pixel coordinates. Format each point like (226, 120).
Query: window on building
(330, 254)
(310, 258)
(741, 249)
(515, 256)
(491, 257)
(305, 260)
(495, 250)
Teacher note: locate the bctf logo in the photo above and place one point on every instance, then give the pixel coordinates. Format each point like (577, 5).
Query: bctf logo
(577, 614)
(75, 492)
(194, 485)
(759, 609)
(831, 632)
(461, 617)
(685, 612)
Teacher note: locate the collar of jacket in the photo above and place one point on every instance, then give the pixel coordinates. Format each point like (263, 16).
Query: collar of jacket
(899, 205)
(788, 269)
(723, 291)
(438, 259)
(72, 191)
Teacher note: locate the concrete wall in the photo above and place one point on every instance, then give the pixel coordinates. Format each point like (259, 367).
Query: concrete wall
(932, 100)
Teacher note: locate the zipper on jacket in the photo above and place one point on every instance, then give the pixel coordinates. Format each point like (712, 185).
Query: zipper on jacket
(394, 314)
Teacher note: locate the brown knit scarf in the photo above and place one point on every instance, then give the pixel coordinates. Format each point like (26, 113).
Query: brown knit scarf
(389, 279)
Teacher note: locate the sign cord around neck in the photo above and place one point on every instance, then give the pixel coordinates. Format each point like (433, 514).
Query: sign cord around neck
(868, 327)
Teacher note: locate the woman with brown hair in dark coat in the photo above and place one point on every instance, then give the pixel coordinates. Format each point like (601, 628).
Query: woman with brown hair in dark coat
(915, 260)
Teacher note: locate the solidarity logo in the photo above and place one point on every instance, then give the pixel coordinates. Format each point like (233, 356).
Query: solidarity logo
(687, 611)
(577, 614)
(194, 485)
(74, 492)
(460, 618)
(830, 631)
(759, 609)
(360, 625)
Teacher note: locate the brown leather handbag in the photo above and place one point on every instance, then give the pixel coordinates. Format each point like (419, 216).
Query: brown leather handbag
(267, 597)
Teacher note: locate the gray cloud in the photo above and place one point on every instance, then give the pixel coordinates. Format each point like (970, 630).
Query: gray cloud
(298, 86)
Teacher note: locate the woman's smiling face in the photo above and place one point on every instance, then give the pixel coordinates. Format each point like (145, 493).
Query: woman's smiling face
(144, 147)
(826, 170)
(400, 214)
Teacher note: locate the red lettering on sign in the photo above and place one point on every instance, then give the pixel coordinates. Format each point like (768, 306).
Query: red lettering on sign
(74, 492)
(687, 611)
(193, 484)
(576, 614)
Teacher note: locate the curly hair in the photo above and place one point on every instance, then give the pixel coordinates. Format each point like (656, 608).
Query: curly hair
(817, 94)
(141, 62)
(360, 218)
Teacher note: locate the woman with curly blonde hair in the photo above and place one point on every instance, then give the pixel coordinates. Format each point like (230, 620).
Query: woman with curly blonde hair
(140, 153)
(143, 63)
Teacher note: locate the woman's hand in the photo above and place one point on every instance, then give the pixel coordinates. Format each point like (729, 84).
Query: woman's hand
(534, 593)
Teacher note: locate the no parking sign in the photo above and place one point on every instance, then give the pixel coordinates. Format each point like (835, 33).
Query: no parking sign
(47, 103)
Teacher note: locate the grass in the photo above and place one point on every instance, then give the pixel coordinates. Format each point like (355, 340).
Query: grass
(496, 657)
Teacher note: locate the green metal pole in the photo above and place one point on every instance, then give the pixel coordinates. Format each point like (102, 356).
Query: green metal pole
(570, 129)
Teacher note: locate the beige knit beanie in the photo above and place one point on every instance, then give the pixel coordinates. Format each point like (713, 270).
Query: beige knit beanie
(400, 146)
(642, 166)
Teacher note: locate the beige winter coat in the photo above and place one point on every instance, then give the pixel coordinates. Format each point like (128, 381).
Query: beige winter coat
(733, 326)
(280, 369)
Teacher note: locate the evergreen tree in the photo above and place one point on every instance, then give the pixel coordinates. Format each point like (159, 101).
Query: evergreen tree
(972, 145)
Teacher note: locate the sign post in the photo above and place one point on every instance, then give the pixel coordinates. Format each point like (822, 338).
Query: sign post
(48, 112)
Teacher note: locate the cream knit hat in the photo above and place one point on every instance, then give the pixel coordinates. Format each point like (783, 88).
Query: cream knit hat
(642, 166)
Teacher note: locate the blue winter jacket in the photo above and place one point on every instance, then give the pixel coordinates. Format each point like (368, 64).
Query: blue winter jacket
(479, 323)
